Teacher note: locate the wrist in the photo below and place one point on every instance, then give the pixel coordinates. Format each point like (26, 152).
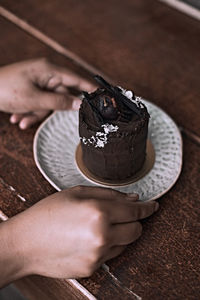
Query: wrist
(14, 259)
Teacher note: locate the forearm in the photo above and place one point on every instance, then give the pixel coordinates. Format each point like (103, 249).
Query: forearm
(12, 255)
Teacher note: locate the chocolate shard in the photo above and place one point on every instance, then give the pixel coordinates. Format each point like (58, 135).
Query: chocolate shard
(116, 92)
(85, 94)
(102, 82)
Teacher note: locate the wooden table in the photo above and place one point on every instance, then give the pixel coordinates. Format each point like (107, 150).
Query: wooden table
(142, 45)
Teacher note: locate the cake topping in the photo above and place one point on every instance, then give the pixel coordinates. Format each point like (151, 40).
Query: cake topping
(118, 94)
(129, 94)
(100, 138)
(113, 103)
(108, 107)
(108, 110)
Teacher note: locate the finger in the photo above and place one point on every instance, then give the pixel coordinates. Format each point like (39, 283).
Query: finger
(45, 71)
(61, 89)
(107, 194)
(124, 234)
(113, 252)
(58, 101)
(15, 118)
(76, 104)
(115, 203)
(145, 209)
(29, 120)
(132, 211)
(54, 82)
(73, 80)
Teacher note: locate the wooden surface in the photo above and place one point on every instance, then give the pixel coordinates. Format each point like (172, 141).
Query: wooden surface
(153, 49)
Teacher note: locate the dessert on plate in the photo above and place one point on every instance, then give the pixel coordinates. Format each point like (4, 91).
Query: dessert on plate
(113, 127)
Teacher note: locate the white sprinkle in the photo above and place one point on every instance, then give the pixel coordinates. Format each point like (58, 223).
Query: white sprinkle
(11, 188)
(100, 144)
(21, 198)
(101, 138)
(100, 134)
(129, 94)
(109, 128)
(84, 140)
(18, 195)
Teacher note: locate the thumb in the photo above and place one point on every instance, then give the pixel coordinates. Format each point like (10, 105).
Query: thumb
(57, 101)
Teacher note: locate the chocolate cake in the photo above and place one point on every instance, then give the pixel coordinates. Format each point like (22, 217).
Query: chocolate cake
(113, 127)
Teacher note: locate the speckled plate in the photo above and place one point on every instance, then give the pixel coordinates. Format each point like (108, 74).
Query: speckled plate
(57, 138)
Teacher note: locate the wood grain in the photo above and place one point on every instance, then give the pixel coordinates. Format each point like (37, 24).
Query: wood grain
(142, 45)
(155, 49)
(169, 241)
(38, 287)
(29, 48)
(164, 262)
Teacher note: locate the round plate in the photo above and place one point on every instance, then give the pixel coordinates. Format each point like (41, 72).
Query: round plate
(57, 138)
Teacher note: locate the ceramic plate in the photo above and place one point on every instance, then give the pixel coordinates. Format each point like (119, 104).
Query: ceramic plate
(57, 138)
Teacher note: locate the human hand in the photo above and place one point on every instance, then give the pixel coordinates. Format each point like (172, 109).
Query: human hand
(31, 89)
(72, 233)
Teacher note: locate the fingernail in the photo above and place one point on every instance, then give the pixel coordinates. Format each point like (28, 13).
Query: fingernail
(76, 104)
(12, 119)
(132, 195)
(22, 125)
(61, 89)
(156, 206)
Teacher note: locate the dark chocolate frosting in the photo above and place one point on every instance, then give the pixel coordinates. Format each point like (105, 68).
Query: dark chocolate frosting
(113, 126)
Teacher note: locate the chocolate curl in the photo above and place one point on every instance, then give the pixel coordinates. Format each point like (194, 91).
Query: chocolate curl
(87, 97)
(115, 91)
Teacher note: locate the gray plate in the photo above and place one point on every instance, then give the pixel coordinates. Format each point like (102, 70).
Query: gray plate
(56, 140)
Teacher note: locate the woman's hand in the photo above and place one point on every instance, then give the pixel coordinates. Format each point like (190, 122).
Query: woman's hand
(31, 89)
(72, 233)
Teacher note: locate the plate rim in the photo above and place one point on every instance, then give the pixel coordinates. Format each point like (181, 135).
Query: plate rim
(35, 139)
(36, 136)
